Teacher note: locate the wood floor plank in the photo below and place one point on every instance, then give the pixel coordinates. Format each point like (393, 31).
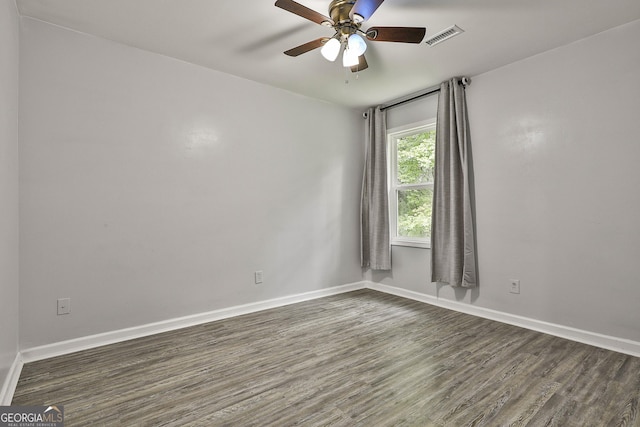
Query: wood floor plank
(362, 358)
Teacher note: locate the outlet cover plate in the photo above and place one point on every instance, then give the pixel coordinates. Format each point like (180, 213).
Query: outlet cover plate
(64, 306)
(515, 286)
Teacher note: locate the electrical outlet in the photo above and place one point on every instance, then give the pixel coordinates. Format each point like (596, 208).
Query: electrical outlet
(258, 276)
(515, 286)
(64, 306)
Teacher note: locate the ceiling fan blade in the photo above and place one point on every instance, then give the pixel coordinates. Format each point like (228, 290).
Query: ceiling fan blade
(303, 11)
(364, 8)
(304, 48)
(362, 65)
(396, 34)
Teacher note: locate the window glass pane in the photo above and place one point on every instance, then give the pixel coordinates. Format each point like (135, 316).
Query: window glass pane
(416, 157)
(414, 212)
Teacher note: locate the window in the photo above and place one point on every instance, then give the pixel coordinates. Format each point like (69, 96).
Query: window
(411, 165)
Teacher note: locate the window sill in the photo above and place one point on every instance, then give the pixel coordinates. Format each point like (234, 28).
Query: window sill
(411, 243)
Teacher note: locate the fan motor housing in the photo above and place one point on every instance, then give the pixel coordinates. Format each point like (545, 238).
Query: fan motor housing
(339, 11)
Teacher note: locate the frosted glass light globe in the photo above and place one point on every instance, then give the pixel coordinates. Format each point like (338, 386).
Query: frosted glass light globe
(357, 44)
(349, 58)
(330, 50)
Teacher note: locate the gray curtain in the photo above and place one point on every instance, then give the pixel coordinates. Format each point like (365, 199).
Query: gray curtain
(453, 246)
(375, 248)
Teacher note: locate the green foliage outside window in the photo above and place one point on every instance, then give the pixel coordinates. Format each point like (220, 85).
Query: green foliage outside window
(416, 162)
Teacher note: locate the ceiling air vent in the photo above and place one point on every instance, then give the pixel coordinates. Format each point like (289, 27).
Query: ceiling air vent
(444, 35)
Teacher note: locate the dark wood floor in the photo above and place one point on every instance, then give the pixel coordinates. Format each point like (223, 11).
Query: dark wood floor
(358, 359)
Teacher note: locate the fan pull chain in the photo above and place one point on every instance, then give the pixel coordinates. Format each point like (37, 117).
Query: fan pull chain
(346, 76)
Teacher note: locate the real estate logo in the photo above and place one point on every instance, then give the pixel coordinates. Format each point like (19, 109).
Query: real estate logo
(31, 416)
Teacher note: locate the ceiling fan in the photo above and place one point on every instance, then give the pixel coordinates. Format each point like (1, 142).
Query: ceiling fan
(346, 19)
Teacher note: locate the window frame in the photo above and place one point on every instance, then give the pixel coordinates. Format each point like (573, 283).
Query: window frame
(393, 135)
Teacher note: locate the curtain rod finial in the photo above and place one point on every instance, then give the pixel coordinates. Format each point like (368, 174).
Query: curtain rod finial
(466, 81)
(365, 115)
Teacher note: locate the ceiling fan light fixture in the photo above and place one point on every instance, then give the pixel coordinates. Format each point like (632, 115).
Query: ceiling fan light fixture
(349, 58)
(331, 49)
(346, 19)
(356, 44)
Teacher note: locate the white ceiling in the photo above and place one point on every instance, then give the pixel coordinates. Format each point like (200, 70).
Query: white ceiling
(247, 38)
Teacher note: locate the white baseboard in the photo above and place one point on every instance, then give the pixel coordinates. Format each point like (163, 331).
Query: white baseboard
(10, 383)
(92, 341)
(621, 345)
(65, 347)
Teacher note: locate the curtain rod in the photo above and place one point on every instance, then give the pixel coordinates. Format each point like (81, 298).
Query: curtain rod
(428, 92)
(466, 81)
(408, 98)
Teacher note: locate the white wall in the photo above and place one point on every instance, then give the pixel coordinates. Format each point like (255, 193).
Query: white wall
(556, 149)
(9, 23)
(153, 189)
